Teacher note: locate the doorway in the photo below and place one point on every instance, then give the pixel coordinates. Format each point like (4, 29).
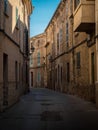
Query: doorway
(68, 73)
(92, 68)
(5, 79)
(31, 79)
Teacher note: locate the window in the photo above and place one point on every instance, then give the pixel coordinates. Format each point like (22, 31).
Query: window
(78, 59)
(16, 74)
(60, 36)
(5, 6)
(26, 73)
(26, 42)
(38, 43)
(57, 43)
(19, 72)
(56, 75)
(32, 79)
(17, 19)
(31, 61)
(93, 67)
(61, 74)
(5, 79)
(68, 72)
(76, 3)
(38, 58)
(67, 32)
(16, 14)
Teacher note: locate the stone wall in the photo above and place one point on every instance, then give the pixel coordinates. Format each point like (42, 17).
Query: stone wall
(80, 78)
(12, 44)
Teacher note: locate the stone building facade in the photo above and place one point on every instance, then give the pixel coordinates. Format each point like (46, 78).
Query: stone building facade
(37, 70)
(14, 50)
(72, 49)
(61, 43)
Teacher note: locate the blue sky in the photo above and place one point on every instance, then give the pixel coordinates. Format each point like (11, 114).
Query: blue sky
(42, 13)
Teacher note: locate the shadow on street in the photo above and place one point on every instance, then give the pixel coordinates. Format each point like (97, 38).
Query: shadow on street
(44, 109)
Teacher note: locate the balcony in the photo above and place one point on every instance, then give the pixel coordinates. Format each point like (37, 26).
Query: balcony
(84, 17)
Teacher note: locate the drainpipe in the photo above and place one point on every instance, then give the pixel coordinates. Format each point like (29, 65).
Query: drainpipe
(96, 32)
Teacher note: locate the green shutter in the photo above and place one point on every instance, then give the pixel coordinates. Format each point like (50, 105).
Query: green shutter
(78, 59)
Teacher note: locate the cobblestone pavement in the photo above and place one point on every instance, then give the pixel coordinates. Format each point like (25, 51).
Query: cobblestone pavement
(43, 109)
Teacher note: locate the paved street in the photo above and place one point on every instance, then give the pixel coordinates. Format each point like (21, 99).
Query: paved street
(43, 109)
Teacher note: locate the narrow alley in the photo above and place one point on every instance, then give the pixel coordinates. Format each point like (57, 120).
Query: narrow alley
(49, 64)
(44, 109)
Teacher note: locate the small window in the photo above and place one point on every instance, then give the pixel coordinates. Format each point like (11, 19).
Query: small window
(26, 42)
(16, 74)
(93, 67)
(38, 58)
(32, 79)
(57, 43)
(19, 72)
(6, 7)
(17, 19)
(60, 36)
(78, 59)
(16, 14)
(38, 41)
(67, 33)
(61, 74)
(56, 75)
(31, 61)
